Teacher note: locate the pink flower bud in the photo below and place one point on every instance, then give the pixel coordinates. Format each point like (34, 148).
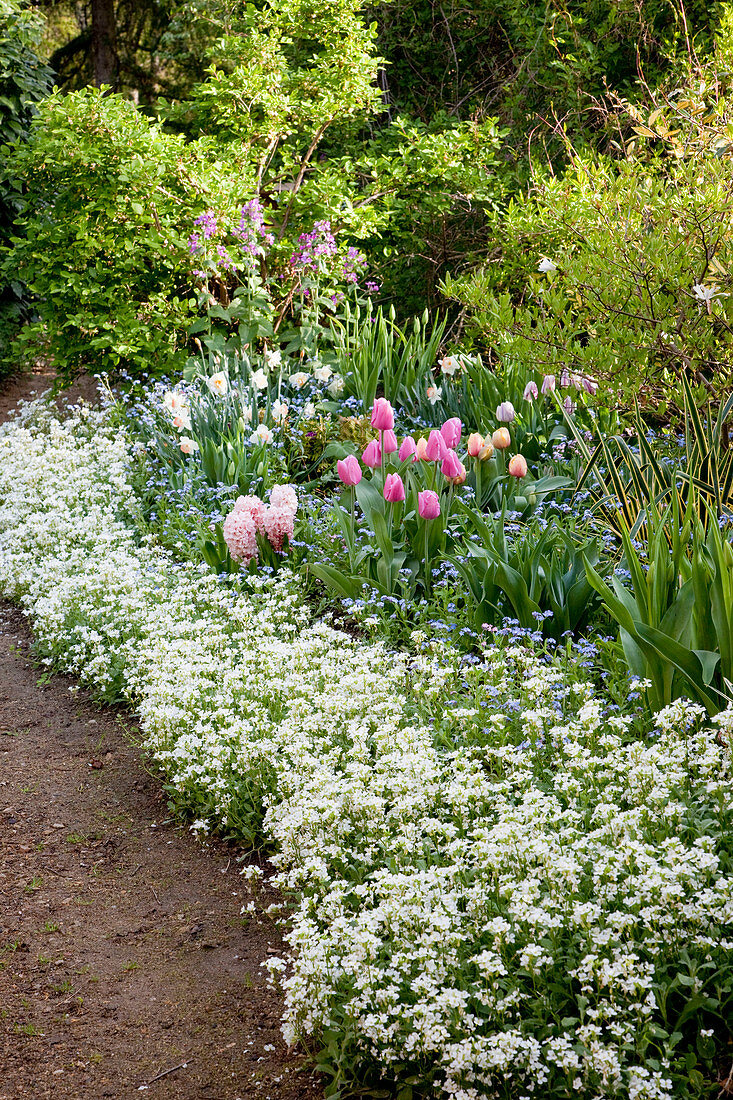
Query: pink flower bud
(589, 386)
(565, 378)
(436, 448)
(428, 504)
(475, 443)
(451, 465)
(501, 439)
(451, 432)
(372, 456)
(420, 449)
(394, 489)
(530, 391)
(389, 442)
(382, 415)
(548, 383)
(408, 448)
(517, 466)
(349, 470)
(505, 412)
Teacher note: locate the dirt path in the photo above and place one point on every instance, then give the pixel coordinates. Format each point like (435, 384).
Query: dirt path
(126, 965)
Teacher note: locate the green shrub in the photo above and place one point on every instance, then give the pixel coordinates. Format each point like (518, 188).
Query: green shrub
(635, 292)
(108, 197)
(24, 81)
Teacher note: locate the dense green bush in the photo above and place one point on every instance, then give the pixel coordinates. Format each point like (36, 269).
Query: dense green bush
(618, 272)
(24, 80)
(108, 200)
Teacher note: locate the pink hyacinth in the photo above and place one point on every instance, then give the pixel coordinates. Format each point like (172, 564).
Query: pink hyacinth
(435, 449)
(285, 497)
(428, 504)
(240, 535)
(451, 432)
(372, 456)
(389, 442)
(279, 525)
(382, 415)
(349, 470)
(394, 489)
(253, 507)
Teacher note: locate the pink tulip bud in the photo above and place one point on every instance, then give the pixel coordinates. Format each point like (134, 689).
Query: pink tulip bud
(589, 386)
(382, 415)
(517, 466)
(408, 448)
(372, 456)
(564, 378)
(394, 489)
(349, 470)
(568, 406)
(420, 448)
(530, 391)
(487, 451)
(548, 383)
(436, 448)
(389, 442)
(428, 504)
(451, 432)
(451, 465)
(475, 443)
(501, 439)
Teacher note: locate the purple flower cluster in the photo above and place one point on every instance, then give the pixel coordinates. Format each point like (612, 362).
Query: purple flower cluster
(251, 229)
(354, 263)
(317, 245)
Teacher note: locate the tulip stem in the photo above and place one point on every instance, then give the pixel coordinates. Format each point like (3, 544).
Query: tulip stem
(427, 562)
(352, 547)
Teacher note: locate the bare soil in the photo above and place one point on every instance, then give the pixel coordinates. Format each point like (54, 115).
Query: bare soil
(126, 965)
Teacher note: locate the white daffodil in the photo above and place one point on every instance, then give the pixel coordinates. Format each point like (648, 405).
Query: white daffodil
(259, 379)
(450, 365)
(434, 394)
(299, 379)
(261, 434)
(322, 374)
(218, 383)
(279, 411)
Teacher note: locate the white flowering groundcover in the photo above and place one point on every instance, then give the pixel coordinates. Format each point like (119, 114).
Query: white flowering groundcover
(483, 903)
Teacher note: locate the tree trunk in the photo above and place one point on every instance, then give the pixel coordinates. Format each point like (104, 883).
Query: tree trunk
(104, 42)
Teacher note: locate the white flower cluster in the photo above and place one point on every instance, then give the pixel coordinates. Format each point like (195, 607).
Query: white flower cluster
(488, 914)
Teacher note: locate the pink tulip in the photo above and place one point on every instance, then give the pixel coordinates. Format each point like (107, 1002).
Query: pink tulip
(382, 415)
(565, 378)
(408, 448)
(530, 391)
(389, 442)
(435, 449)
(517, 466)
(505, 412)
(394, 489)
(501, 439)
(589, 386)
(349, 470)
(428, 504)
(372, 456)
(451, 432)
(451, 465)
(420, 448)
(475, 443)
(548, 383)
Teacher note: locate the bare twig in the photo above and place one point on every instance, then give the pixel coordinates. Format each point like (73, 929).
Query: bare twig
(165, 1072)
